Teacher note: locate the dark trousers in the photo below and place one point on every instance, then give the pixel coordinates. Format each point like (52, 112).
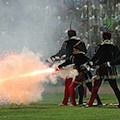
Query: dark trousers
(81, 93)
(115, 88)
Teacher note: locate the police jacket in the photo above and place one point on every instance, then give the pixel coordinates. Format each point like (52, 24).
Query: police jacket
(67, 47)
(106, 52)
(76, 59)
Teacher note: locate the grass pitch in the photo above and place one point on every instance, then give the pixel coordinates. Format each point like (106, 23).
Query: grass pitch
(47, 109)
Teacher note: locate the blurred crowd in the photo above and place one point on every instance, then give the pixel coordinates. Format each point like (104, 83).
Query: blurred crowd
(90, 18)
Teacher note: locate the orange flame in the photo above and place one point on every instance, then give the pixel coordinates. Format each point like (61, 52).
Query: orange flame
(49, 70)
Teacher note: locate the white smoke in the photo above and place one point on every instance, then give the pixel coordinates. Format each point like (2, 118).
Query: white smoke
(28, 23)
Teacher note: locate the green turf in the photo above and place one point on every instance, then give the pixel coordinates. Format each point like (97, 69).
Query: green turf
(47, 109)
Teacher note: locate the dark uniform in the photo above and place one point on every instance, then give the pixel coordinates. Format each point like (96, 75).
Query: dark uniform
(106, 52)
(78, 59)
(67, 48)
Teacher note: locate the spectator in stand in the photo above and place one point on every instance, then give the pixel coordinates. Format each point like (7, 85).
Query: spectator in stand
(105, 28)
(109, 21)
(95, 20)
(78, 3)
(95, 23)
(84, 20)
(118, 6)
(117, 17)
(101, 9)
(117, 35)
(111, 4)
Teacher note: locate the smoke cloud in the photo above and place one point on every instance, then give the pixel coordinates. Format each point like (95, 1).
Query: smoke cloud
(22, 90)
(27, 24)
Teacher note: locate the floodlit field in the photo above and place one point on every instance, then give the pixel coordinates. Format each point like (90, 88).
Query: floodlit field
(47, 109)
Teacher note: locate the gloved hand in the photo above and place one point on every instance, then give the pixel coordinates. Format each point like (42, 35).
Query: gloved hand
(57, 58)
(90, 63)
(50, 60)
